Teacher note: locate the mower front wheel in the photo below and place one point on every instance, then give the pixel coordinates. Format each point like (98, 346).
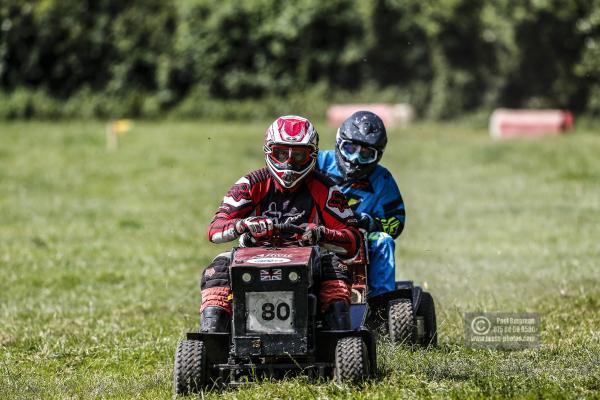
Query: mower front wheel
(351, 360)
(189, 374)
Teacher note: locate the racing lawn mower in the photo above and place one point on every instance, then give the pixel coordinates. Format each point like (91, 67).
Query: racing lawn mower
(276, 330)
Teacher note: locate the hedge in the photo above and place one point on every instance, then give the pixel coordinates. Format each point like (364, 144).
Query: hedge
(240, 59)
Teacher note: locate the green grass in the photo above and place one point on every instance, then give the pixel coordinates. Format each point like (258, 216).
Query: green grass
(100, 256)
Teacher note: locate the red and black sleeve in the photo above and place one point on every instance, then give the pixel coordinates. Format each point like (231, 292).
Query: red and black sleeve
(238, 203)
(340, 234)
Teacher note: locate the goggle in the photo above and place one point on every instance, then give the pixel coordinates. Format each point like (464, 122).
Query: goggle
(354, 151)
(294, 155)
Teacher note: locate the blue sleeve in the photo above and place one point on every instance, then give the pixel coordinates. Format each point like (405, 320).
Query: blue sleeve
(389, 212)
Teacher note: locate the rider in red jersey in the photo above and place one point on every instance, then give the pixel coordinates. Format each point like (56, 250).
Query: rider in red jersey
(288, 190)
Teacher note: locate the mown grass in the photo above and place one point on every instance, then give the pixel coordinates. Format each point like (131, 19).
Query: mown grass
(100, 254)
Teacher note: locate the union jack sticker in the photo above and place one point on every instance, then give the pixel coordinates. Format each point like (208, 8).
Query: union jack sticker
(270, 274)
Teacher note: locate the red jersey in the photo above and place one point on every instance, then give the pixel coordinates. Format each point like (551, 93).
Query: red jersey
(316, 200)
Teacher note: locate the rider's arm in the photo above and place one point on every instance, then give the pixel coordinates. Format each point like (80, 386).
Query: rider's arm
(339, 235)
(388, 215)
(344, 241)
(236, 205)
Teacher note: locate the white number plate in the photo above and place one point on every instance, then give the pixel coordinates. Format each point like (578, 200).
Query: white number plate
(270, 312)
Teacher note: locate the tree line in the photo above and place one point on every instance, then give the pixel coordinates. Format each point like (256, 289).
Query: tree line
(256, 58)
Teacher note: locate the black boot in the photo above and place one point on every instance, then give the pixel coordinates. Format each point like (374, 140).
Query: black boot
(214, 319)
(337, 316)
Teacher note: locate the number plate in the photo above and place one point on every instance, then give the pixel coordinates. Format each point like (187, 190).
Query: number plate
(270, 312)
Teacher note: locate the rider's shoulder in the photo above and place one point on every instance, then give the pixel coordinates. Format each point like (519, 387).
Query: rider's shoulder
(381, 173)
(322, 179)
(257, 176)
(326, 155)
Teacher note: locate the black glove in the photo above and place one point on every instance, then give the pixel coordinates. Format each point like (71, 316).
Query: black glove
(369, 224)
(313, 235)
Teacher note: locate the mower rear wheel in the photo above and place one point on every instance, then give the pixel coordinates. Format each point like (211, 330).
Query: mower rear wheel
(401, 322)
(351, 360)
(189, 374)
(427, 311)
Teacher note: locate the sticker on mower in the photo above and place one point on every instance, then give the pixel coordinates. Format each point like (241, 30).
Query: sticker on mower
(270, 312)
(270, 274)
(267, 259)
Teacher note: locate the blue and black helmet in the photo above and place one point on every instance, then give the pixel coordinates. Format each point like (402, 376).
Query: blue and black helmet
(360, 143)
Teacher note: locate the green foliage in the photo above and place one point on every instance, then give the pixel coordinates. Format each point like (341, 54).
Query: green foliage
(64, 46)
(588, 68)
(549, 47)
(445, 57)
(269, 47)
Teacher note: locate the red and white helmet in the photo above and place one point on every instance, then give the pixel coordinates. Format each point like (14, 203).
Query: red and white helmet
(291, 148)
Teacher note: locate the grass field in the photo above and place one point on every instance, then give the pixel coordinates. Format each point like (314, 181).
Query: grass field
(100, 256)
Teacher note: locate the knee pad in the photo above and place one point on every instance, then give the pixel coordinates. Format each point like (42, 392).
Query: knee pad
(386, 238)
(381, 238)
(333, 268)
(216, 274)
(215, 286)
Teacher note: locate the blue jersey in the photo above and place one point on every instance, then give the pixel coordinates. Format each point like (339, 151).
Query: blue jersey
(376, 195)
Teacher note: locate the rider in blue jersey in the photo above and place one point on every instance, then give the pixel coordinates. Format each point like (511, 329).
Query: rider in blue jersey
(371, 191)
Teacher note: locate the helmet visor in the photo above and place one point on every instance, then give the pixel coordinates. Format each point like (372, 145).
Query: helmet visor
(357, 152)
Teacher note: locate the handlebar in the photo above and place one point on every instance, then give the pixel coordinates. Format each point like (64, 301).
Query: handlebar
(288, 227)
(246, 240)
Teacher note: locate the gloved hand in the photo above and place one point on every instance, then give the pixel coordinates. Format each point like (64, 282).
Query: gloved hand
(313, 235)
(258, 227)
(366, 222)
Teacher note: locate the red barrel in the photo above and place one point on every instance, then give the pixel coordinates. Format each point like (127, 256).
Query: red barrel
(505, 123)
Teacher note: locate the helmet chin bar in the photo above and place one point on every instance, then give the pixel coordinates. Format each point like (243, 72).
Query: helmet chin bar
(287, 173)
(288, 178)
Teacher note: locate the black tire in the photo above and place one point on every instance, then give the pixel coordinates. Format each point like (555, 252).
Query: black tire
(427, 311)
(189, 374)
(401, 322)
(351, 360)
